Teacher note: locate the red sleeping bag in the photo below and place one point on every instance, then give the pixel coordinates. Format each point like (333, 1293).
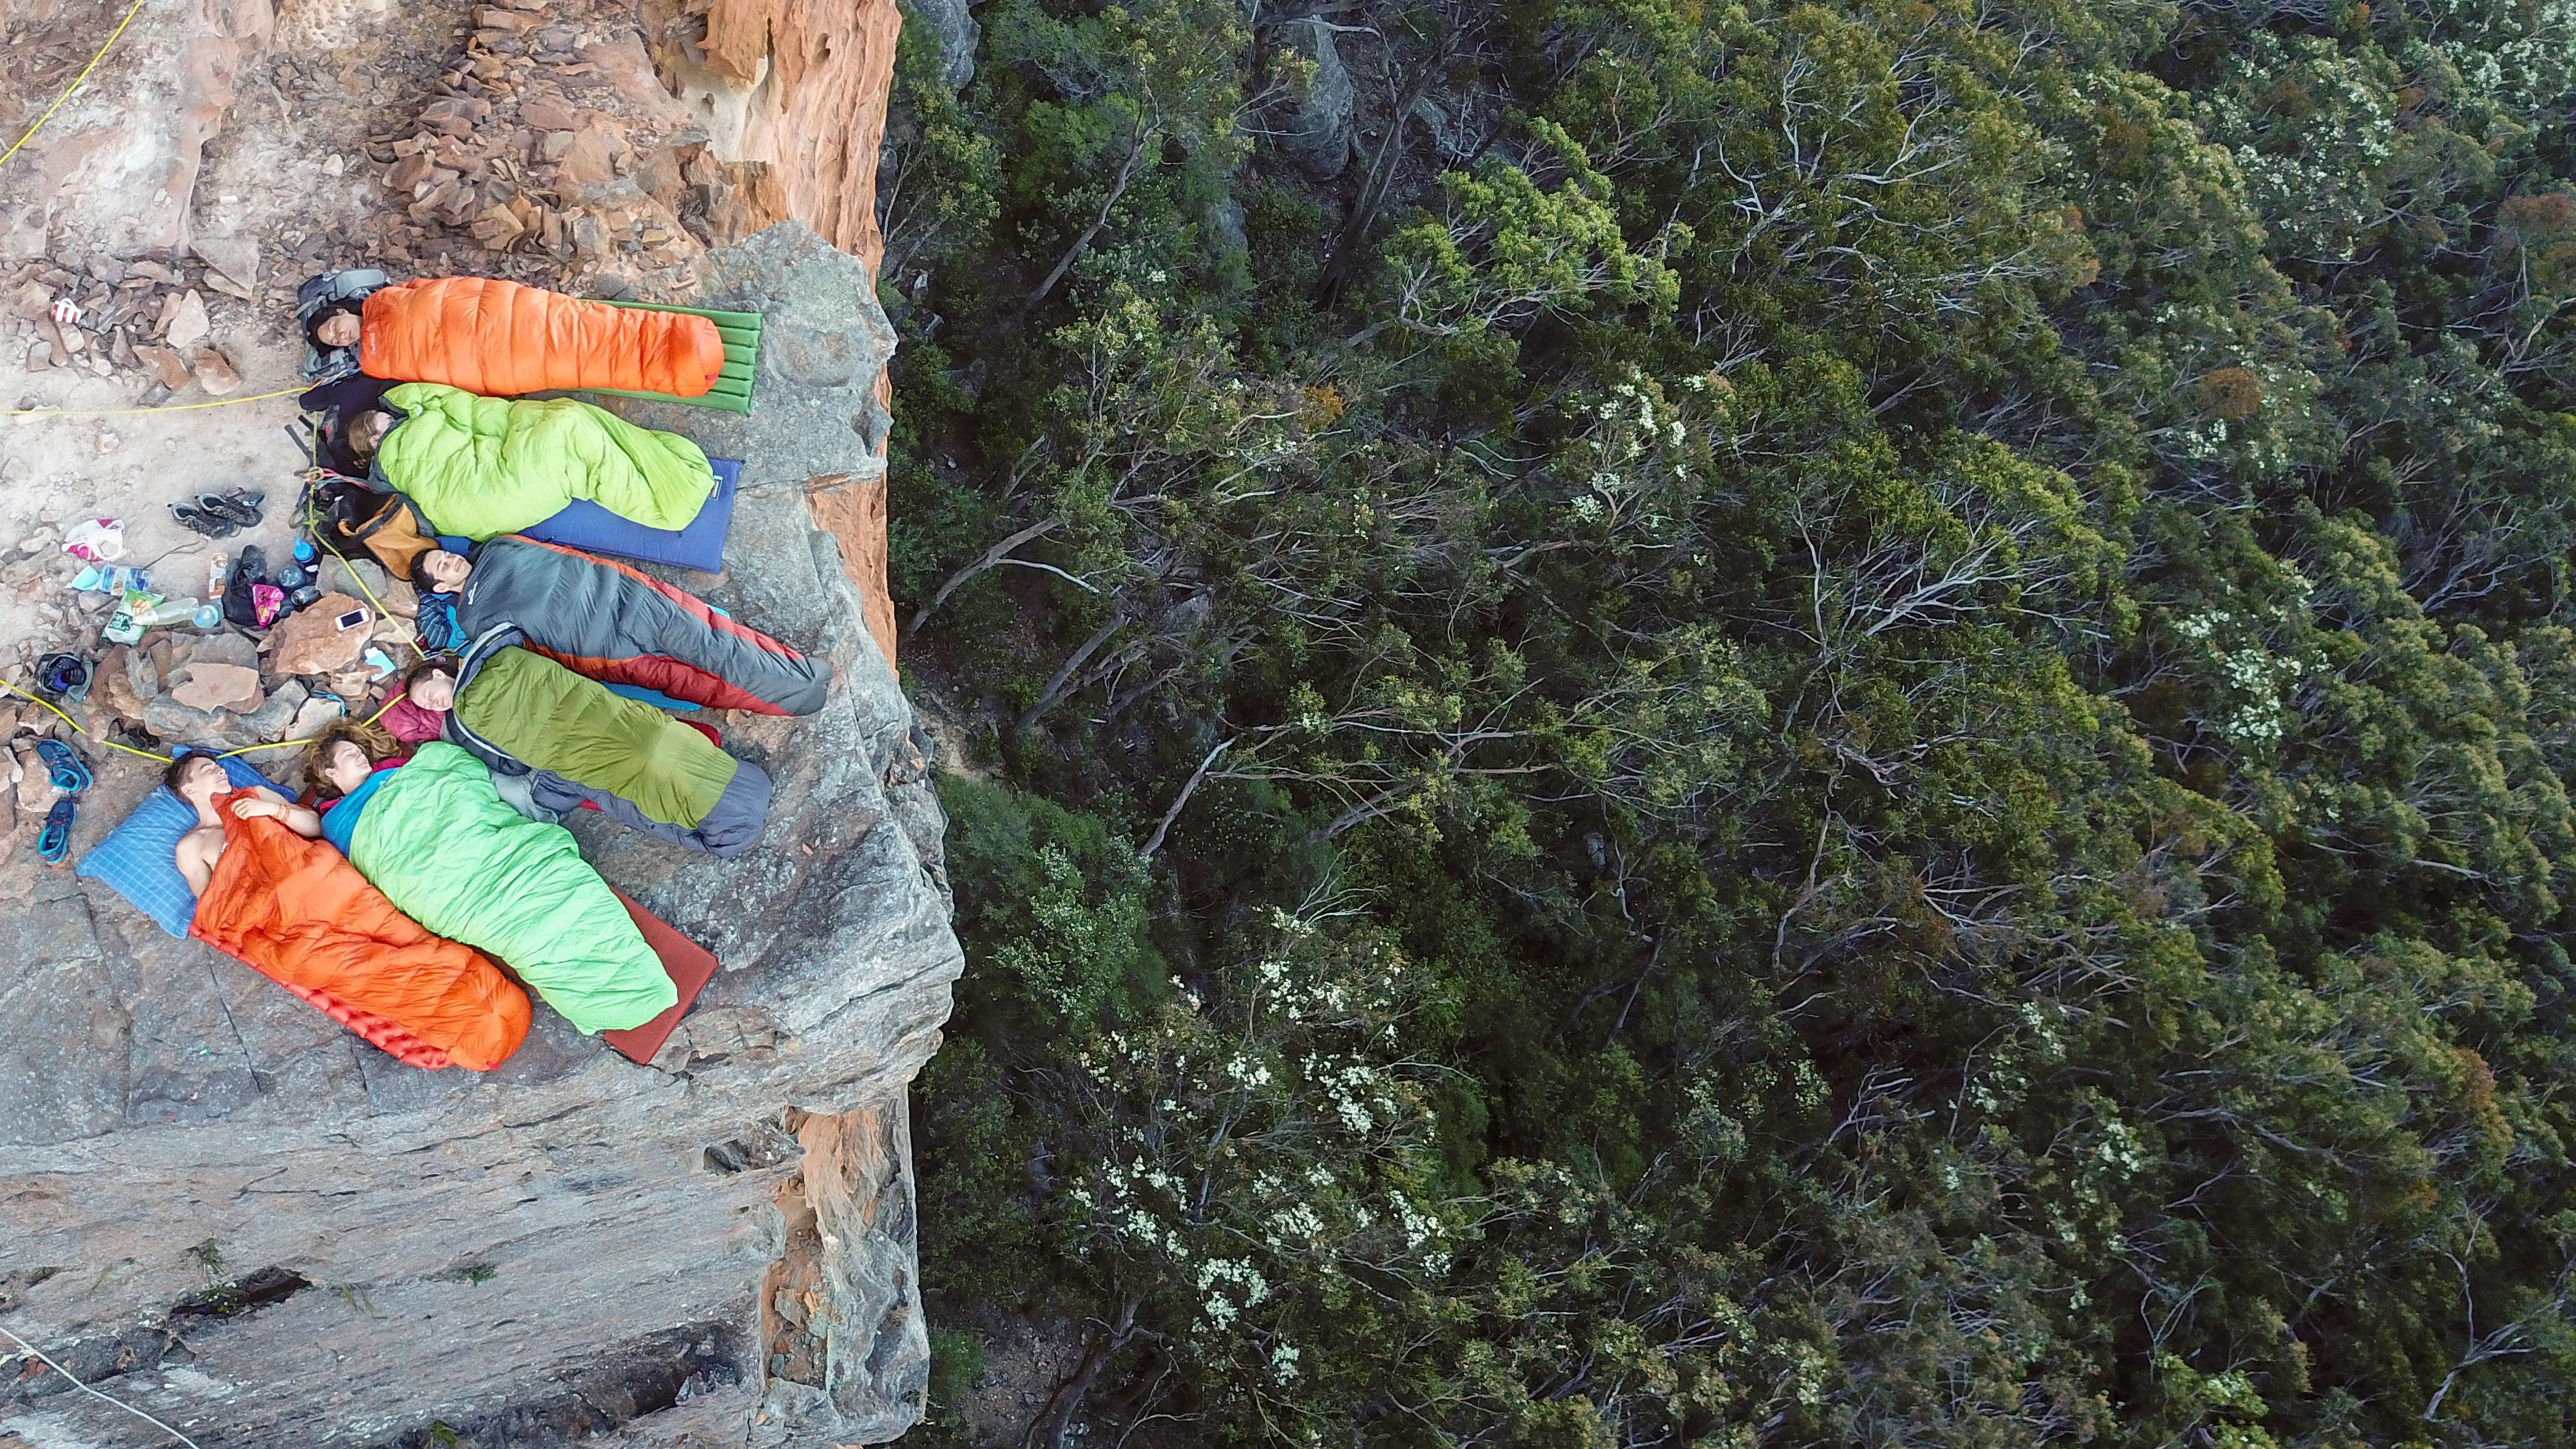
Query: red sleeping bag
(501, 339)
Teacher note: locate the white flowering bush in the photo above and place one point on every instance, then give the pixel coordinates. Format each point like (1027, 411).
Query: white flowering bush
(1250, 1152)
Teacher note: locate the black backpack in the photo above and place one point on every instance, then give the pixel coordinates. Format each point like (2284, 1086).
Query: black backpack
(353, 517)
(320, 294)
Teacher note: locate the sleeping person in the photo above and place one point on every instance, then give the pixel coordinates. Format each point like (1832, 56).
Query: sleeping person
(620, 625)
(435, 837)
(481, 466)
(348, 761)
(500, 338)
(200, 784)
(575, 741)
(275, 898)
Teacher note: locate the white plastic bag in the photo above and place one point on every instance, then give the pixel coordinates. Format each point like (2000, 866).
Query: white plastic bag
(96, 540)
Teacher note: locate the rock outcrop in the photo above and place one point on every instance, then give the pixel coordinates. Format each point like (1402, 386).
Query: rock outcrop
(1319, 136)
(225, 1209)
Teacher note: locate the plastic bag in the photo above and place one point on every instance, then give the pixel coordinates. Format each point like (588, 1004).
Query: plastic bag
(96, 540)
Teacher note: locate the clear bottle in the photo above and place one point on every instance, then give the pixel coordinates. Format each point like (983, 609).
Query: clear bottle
(169, 611)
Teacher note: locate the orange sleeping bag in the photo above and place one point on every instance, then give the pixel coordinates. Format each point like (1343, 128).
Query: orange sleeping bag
(297, 912)
(500, 339)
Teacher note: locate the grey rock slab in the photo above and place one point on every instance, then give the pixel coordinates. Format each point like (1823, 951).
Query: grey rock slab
(1319, 135)
(63, 1028)
(958, 36)
(572, 1234)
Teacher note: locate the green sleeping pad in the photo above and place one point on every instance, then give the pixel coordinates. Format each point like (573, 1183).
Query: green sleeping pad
(732, 392)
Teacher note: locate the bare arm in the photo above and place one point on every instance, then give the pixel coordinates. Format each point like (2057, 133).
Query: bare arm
(269, 803)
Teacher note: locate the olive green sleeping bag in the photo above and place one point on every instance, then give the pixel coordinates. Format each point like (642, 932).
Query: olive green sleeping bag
(548, 717)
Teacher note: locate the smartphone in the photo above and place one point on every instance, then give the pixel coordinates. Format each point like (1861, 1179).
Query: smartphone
(354, 619)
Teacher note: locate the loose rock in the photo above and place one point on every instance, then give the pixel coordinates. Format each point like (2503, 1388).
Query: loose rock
(219, 687)
(167, 367)
(184, 323)
(216, 374)
(310, 641)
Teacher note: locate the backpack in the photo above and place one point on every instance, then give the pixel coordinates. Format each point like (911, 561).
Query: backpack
(311, 299)
(354, 517)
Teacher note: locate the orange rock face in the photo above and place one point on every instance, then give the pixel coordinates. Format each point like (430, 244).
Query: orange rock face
(799, 86)
(794, 93)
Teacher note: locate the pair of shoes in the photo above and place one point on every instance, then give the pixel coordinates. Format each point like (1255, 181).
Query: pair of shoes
(66, 771)
(199, 520)
(240, 506)
(220, 515)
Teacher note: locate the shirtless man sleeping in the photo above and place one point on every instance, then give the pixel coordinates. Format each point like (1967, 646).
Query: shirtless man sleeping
(197, 780)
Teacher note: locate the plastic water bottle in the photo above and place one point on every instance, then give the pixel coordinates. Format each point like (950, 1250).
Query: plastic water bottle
(168, 611)
(209, 616)
(305, 552)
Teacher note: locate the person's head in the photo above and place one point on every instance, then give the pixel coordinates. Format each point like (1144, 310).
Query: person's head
(431, 686)
(368, 429)
(340, 329)
(195, 779)
(440, 571)
(343, 756)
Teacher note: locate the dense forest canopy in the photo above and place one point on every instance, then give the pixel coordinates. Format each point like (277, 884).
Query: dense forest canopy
(1750, 723)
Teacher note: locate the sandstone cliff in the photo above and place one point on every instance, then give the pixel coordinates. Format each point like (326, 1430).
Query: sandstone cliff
(226, 1210)
(599, 146)
(219, 1206)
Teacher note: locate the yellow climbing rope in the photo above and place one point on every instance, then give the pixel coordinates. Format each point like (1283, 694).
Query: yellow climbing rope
(130, 12)
(221, 402)
(30, 134)
(165, 759)
(83, 729)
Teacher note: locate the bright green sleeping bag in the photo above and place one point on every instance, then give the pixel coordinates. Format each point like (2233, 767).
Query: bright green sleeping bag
(438, 841)
(483, 466)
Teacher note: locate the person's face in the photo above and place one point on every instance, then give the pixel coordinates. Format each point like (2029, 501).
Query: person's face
(368, 429)
(201, 781)
(338, 330)
(345, 766)
(434, 692)
(446, 570)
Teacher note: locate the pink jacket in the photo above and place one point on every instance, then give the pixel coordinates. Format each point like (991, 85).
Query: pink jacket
(410, 723)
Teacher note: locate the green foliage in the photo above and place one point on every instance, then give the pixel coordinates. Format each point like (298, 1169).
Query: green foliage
(1889, 684)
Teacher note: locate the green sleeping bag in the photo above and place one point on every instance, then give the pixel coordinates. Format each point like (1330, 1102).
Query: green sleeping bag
(484, 466)
(543, 714)
(438, 841)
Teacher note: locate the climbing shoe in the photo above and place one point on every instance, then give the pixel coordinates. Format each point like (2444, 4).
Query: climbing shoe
(239, 506)
(64, 766)
(64, 676)
(56, 841)
(199, 520)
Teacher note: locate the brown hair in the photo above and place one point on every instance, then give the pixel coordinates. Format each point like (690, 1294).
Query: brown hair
(426, 668)
(179, 767)
(371, 741)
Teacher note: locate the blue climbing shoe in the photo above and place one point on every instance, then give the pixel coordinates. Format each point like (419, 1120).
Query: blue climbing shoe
(56, 842)
(69, 771)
